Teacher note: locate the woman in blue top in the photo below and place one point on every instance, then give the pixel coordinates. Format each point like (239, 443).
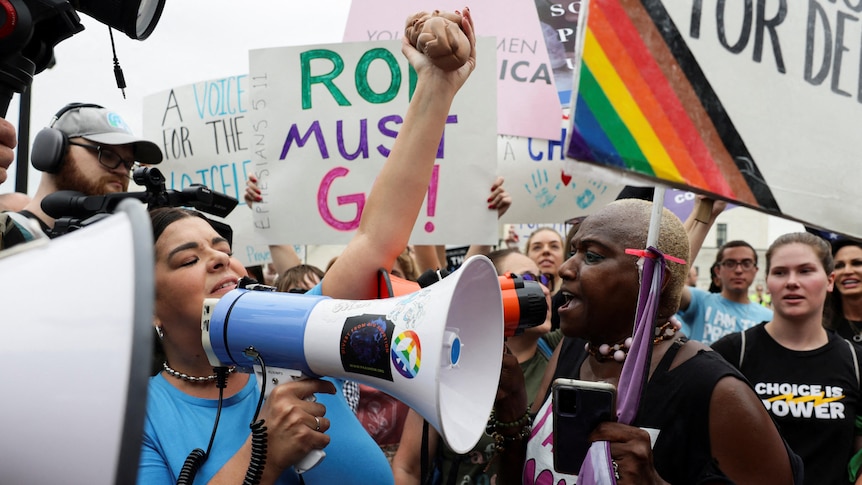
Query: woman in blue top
(194, 262)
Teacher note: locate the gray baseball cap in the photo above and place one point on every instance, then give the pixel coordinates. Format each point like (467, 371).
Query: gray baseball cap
(106, 127)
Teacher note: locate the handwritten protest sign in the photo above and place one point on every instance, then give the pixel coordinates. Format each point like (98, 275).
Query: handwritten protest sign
(526, 95)
(205, 136)
(323, 119)
(757, 102)
(541, 191)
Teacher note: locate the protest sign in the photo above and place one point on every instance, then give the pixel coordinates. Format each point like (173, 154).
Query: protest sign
(559, 21)
(527, 99)
(323, 119)
(205, 136)
(541, 191)
(756, 102)
(681, 202)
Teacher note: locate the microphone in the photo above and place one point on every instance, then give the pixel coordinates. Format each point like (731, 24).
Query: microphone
(70, 203)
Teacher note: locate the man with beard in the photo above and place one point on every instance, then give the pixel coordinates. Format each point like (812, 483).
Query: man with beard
(705, 316)
(86, 148)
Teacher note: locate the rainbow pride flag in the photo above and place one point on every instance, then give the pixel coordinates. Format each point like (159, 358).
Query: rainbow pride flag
(644, 105)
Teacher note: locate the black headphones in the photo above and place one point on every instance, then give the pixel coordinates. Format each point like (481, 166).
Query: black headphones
(50, 144)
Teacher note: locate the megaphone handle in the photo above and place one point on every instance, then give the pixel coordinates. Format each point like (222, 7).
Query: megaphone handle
(309, 461)
(276, 375)
(313, 457)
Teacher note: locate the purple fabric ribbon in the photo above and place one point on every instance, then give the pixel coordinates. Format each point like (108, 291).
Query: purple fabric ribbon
(597, 468)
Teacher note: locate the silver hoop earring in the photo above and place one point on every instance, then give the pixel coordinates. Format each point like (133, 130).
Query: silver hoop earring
(160, 333)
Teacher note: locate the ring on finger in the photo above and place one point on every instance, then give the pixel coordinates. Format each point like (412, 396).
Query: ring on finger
(616, 469)
(316, 419)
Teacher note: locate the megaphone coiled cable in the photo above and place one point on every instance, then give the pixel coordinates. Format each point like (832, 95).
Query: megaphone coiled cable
(258, 429)
(258, 453)
(198, 456)
(191, 466)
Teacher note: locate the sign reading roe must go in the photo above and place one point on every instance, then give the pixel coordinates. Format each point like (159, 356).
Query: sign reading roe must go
(323, 119)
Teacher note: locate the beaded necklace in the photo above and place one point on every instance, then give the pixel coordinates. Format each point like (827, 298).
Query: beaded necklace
(185, 377)
(620, 350)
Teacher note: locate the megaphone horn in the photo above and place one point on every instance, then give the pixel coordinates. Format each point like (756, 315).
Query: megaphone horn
(438, 349)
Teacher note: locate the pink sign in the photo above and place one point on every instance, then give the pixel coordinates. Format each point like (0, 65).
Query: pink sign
(527, 100)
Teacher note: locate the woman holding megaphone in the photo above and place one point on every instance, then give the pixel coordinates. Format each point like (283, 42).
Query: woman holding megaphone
(194, 262)
(696, 421)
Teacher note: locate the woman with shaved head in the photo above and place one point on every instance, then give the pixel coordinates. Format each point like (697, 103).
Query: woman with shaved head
(698, 420)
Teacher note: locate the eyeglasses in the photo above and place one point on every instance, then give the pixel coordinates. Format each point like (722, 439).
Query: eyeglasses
(107, 157)
(546, 279)
(731, 264)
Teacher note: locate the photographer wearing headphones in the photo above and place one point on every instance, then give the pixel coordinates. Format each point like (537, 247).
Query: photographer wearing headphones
(86, 148)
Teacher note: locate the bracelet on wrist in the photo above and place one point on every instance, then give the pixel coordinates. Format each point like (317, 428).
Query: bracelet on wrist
(501, 442)
(524, 425)
(520, 422)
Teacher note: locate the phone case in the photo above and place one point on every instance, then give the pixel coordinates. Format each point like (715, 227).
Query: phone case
(578, 406)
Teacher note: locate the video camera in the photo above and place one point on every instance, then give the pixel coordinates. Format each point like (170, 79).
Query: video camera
(74, 210)
(29, 30)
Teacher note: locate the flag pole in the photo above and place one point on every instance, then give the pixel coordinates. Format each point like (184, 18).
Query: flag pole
(655, 218)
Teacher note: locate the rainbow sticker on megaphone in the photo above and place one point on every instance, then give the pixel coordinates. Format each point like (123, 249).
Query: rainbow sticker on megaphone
(407, 353)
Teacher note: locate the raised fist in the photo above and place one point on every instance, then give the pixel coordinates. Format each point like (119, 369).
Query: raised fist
(439, 36)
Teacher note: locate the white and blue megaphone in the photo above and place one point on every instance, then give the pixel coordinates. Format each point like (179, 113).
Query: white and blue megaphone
(438, 350)
(77, 330)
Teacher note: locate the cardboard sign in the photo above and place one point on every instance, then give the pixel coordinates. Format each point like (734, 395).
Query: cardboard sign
(758, 102)
(527, 97)
(205, 136)
(323, 120)
(542, 190)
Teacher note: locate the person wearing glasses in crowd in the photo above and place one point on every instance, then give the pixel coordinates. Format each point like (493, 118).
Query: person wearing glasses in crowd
(705, 316)
(88, 149)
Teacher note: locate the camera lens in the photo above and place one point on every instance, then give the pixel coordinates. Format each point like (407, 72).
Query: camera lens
(567, 402)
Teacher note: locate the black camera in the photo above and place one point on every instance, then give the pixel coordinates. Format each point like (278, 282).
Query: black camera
(29, 30)
(74, 210)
